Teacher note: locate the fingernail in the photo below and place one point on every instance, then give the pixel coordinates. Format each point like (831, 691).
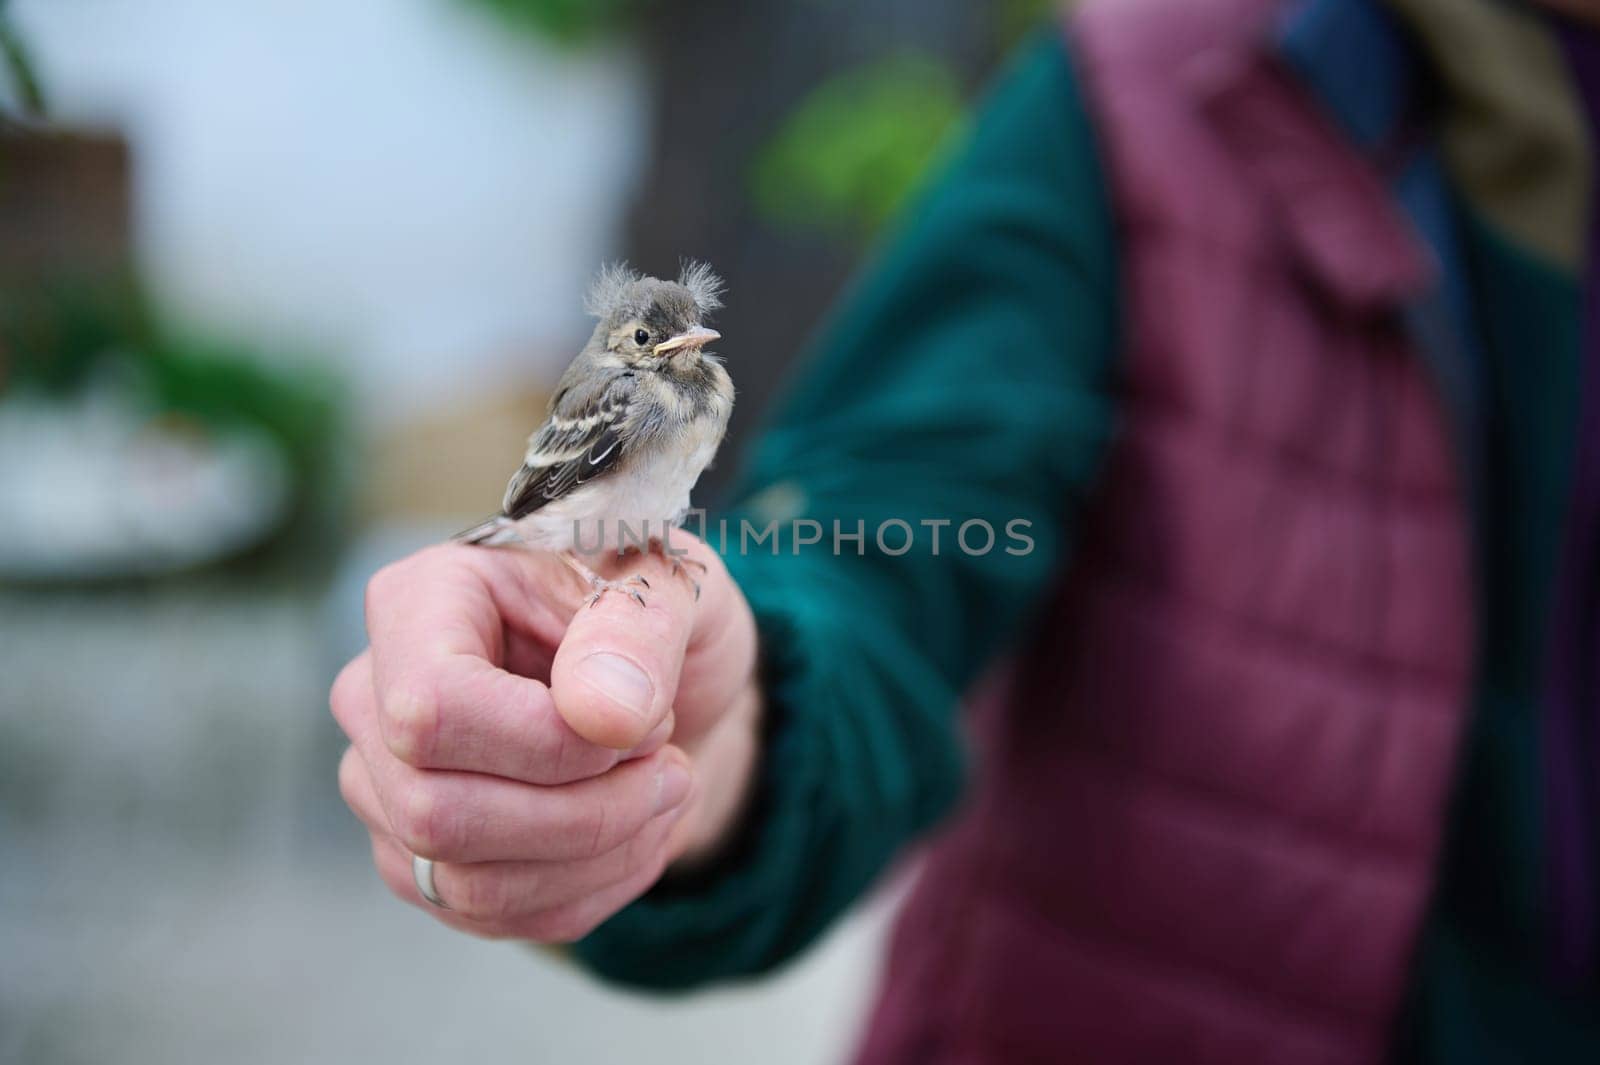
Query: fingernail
(672, 786)
(618, 680)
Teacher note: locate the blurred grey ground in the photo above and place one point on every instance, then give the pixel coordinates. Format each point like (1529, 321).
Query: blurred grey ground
(179, 881)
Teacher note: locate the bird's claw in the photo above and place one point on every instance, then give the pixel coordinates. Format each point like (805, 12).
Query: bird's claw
(680, 564)
(601, 586)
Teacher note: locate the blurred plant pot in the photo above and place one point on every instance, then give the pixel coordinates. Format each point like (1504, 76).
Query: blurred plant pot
(65, 204)
(131, 447)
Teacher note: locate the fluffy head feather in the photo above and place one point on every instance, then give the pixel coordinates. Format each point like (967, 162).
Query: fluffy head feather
(620, 292)
(703, 284)
(614, 288)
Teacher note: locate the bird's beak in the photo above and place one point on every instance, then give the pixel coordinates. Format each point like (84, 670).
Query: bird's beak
(698, 337)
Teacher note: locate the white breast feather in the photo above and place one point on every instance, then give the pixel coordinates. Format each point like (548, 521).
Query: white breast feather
(653, 490)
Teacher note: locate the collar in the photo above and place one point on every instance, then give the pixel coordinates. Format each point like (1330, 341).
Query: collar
(1489, 77)
(1356, 60)
(1317, 115)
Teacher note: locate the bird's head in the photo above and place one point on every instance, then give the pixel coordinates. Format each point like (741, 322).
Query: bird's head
(651, 324)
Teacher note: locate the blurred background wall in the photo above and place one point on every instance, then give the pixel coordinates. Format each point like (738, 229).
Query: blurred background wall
(403, 185)
(282, 285)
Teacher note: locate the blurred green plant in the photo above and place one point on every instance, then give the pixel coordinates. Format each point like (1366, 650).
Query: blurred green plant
(856, 147)
(564, 21)
(57, 335)
(19, 67)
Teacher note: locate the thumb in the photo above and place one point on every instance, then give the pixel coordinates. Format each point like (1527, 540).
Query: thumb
(616, 672)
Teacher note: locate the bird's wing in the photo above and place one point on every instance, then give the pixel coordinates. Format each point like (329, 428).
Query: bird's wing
(580, 441)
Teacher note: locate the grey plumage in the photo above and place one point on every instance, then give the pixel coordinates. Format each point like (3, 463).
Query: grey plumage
(633, 421)
(580, 441)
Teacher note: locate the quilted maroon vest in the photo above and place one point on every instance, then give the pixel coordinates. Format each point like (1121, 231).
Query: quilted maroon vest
(1213, 788)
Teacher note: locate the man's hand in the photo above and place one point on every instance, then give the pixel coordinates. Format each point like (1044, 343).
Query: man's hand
(552, 759)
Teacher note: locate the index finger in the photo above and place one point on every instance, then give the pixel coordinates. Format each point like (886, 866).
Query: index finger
(438, 626)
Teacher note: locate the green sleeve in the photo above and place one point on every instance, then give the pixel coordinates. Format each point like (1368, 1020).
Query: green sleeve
(966, 378)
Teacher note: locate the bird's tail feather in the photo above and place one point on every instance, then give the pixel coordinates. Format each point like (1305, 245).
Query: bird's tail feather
(497, 530)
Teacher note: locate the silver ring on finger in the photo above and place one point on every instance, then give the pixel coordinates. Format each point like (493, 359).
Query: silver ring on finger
(422, 874)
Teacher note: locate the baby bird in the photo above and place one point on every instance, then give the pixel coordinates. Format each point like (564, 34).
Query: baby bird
(633, 422)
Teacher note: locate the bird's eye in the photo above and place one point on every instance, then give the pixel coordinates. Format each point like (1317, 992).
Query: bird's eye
(641, 337)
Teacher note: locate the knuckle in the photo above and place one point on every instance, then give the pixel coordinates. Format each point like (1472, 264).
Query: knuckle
(343, 696)
(410, 720)
(424, 821)
(381, 585)
(348, 769)
(390, 581)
